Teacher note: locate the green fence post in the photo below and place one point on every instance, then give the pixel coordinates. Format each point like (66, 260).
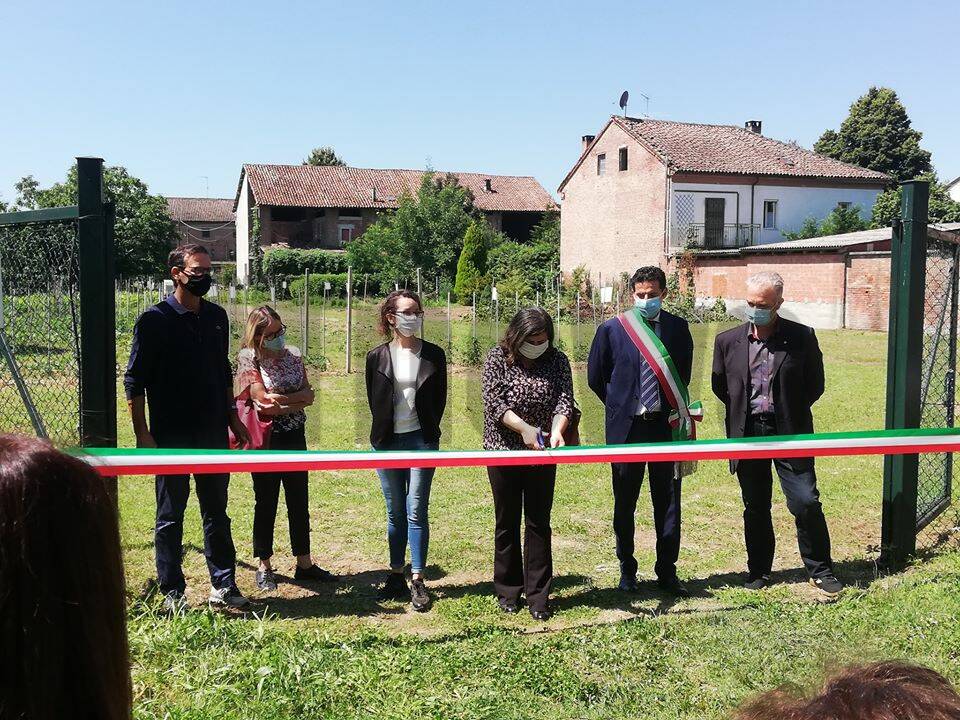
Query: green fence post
(908, 259)
(98, 354)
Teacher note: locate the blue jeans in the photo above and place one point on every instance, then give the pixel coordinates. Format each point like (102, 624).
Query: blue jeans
(407, 494)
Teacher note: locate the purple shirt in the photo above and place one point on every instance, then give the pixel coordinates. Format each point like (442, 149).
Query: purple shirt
(761, 373)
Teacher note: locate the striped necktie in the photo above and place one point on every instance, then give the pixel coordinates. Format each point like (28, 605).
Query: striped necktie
(649, 385)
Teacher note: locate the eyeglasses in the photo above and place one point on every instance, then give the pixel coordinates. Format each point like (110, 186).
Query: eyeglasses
(199, 275)
(409, 315)
(278, 333)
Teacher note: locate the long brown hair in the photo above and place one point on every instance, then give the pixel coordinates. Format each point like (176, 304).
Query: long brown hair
(890, 690)
(389, 307)
(257, 322)
(62, 600)
(525, 323)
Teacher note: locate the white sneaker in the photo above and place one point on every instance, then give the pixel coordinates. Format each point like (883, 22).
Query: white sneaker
(175, 603)
(228, 597)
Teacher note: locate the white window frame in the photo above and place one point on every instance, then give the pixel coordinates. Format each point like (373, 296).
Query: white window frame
(764, 225)
(602, 164)
(345, 226)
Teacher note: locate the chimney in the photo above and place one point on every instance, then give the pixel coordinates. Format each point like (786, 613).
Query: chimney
(586, 140)
(753, 126)
(488, 185)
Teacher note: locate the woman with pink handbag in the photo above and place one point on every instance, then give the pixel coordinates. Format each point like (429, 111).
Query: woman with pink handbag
(272, 390)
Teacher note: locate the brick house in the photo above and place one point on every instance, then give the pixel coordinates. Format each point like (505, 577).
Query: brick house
(838, 281)
(642, 190)
(206, 221)
(307, 206)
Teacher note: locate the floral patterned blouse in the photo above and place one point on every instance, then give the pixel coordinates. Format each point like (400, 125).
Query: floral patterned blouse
(283, 374)
(536, 394)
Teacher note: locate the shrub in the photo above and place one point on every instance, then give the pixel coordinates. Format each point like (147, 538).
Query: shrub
(472, 265)
(338, 286)
(288, 262)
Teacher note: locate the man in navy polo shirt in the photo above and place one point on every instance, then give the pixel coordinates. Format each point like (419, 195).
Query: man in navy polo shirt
(179, 366)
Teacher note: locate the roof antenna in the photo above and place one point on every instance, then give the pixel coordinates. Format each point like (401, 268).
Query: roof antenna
(624, 96)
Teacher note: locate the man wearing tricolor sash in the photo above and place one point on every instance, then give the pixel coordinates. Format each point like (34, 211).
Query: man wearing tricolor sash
(639, 367)
(768, 373)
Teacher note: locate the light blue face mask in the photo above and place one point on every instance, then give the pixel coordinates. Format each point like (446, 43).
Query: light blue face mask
(276, 344)
(759, 316)
(648, 307)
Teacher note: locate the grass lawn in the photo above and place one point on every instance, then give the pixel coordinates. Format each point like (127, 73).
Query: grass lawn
(338, 652)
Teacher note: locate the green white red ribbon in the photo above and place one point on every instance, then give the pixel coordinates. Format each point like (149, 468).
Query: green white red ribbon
(685, 413)
(115, 462)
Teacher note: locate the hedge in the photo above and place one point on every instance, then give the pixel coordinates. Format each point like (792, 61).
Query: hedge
(338, 285)
(284, 262)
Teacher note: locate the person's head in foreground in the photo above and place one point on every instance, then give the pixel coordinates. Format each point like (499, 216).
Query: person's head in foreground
(63, 638)
(401, 314)
(888, 690)
(528, 336)
(190, 267)
(764, 298)
(648, 287)
(265, 331)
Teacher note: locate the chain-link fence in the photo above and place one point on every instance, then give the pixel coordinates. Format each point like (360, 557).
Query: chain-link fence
(40, 330)
(937, 509)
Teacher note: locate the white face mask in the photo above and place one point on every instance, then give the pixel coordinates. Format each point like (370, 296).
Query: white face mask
(408, 326)
(531, 351)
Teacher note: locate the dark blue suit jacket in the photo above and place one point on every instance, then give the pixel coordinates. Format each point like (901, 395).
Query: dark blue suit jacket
(613, 369)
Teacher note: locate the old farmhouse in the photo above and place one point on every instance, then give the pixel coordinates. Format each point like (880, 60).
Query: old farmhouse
(306, 206)
(207, 221)
(644, 190)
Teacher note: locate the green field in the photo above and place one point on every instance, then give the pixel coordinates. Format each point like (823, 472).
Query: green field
(338, 652)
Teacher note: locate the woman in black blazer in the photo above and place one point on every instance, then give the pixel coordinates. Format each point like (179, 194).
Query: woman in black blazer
(407, 391)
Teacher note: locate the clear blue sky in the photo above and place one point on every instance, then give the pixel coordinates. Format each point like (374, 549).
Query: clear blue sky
(176, 90)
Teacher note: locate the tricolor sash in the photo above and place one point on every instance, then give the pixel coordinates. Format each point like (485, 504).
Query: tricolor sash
(685, 413)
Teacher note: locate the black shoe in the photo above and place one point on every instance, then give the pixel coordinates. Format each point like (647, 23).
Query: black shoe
(266, 581)
(757, 583)
(419, 598)
(229, 597)
(315, 573)
(628, 584)
(828, 585)
(511, 608)
(542, 615)
(395, 588)
(674, 587)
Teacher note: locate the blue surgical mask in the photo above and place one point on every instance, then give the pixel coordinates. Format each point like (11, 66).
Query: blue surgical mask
(276, 344)
(648, 307)
(759, 316)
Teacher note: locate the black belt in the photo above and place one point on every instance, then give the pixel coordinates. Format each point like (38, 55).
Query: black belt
(763, 417)
(649, 416)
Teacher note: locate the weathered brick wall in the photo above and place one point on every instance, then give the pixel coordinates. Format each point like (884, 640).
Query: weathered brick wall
(614, 222)
(868, 291)
(813, 285)
(221, 242)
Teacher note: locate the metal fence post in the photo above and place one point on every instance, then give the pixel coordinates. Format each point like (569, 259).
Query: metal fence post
(349, 349)
(908, 257)
(306, 313)
(98, 353)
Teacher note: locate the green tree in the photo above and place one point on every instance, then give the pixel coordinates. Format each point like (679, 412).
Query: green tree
(381, 253)
(840, 220)
(143, 233)
(323, 156)
(942, 207)
(472, 265)
(877, 135)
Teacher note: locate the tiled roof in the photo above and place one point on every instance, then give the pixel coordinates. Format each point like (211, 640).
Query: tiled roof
(728, 149)
(200, 209)
(341, 186)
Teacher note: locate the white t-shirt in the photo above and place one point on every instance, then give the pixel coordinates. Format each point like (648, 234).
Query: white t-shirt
(406, 365)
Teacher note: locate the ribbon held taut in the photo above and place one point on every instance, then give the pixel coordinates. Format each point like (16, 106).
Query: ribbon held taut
(684, 414)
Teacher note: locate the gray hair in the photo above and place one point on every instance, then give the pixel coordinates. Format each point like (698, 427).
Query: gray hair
(761, 280)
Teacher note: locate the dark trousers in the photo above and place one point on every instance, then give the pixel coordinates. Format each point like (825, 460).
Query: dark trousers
(266, 491)
(526, 489)
(172, 492)
(664, 494)
(799, 482)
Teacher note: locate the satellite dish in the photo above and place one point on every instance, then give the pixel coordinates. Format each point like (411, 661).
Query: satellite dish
(623, 101)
